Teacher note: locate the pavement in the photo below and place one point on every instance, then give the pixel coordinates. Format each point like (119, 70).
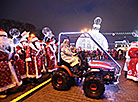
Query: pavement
(23, 89)
(125, 91)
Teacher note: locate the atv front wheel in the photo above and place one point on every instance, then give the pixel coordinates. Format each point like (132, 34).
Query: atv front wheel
(61, 80)
(93, 87)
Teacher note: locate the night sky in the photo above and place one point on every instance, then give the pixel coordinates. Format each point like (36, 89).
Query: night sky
(73, 15)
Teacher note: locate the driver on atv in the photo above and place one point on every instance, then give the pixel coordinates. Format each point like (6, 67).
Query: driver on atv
(68, 56)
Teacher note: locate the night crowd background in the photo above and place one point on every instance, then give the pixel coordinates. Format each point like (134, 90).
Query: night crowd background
(6, 25)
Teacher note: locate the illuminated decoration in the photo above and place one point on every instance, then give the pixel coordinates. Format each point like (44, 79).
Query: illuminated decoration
(14, 33)
(121, 42)
(86, 30)
(135, 33)
(86, 43)
(113, 34)
(47, 32)
(32, 35)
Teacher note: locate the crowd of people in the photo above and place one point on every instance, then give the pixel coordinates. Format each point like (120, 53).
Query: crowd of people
(27, 58)
(99, 54)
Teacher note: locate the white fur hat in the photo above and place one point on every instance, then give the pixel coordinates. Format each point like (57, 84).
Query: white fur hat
(25, 34)
(133, 44)
(3, 33)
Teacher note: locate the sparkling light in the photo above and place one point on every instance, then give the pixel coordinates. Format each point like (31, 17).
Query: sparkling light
(85, 41)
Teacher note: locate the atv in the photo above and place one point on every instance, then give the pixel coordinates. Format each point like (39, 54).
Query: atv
(95, 73)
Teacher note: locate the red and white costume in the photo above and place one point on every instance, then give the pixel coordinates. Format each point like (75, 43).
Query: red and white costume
(132, 72)
(8, 76)
(50, 54)
(33, 58)
(43, 57)
(50, 49)
(20, 50)
(131, 64)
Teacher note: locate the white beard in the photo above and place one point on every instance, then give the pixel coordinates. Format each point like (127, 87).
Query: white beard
(5, 43)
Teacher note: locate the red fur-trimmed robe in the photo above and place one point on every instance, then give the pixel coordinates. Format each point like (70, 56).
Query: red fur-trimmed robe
(9, 76)
(43, 58)
(20, 62)
(33, 60)
(50, 55)
(132, 72)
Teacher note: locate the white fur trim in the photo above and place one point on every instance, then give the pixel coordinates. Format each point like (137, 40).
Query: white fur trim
(27, 73)
(53, 50)
(137, 67)
(34, 39)
(43, 70)
(51, 57)
(3, 33)
(33, 47)
(38, 45)
(132, 77)
(25, 34)
(23, 76)
(28, 59)
(19, 51)
(36, 69)
(16, 55)
(14, 74)
(27, 69)
(7, 87)
(23, 40)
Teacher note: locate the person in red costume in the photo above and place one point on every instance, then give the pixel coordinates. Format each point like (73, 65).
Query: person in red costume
(33, 58)
(131, 64)
(50, 54)
(8, 75)
(50, 48)
(43, 57)
(21, 50)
